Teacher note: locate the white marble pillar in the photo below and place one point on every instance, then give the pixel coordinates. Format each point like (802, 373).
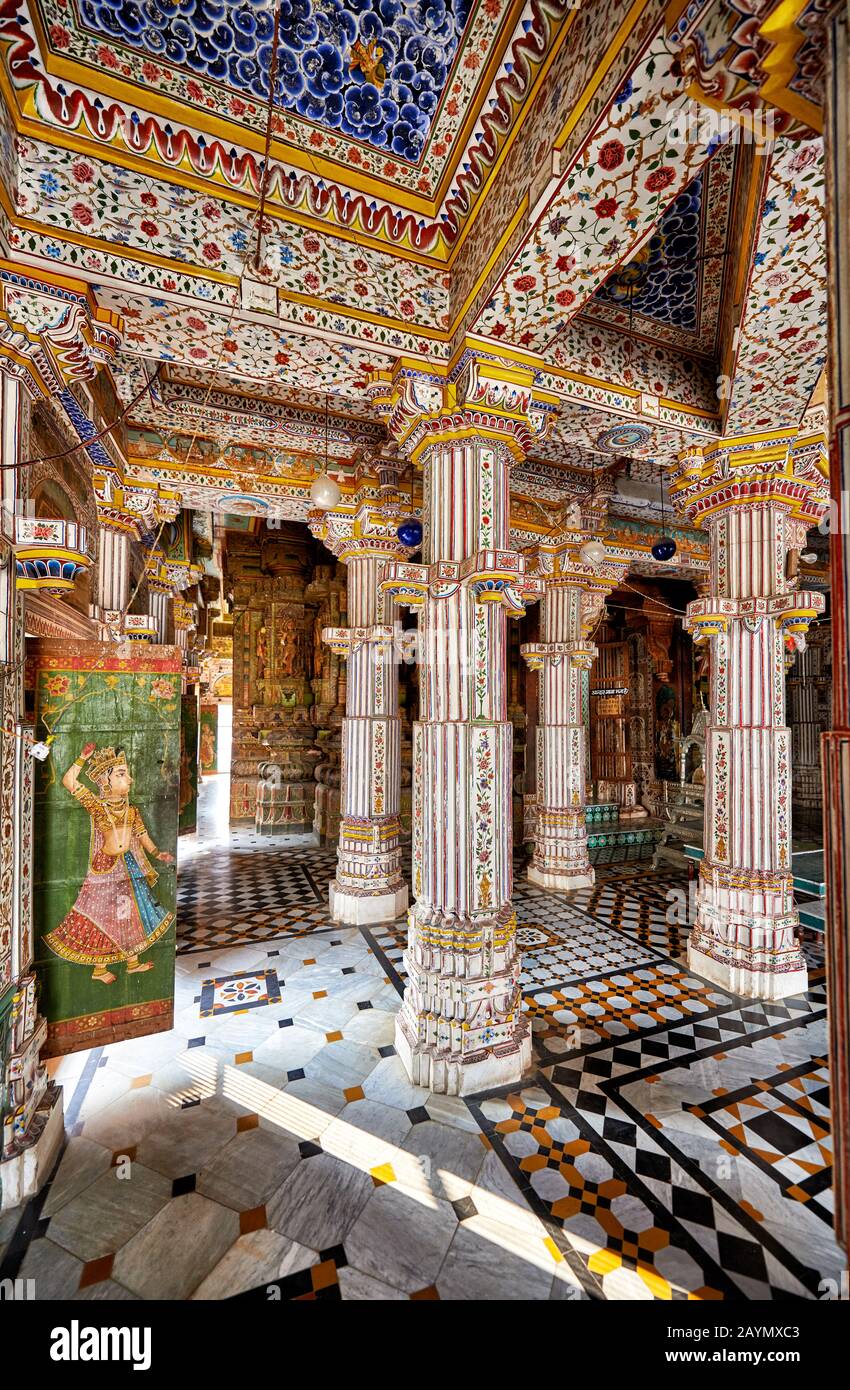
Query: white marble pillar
(368, 886)
(361, 531)
(560, 861)
(158, 609)
(31, 1119)
(112, 591)
(745, 936)
(461, 1027)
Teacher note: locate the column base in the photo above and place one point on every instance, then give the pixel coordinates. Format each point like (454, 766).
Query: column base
(26, 1171)
(451, 1075)
(737, 975)
(564, 881)
(361, 909)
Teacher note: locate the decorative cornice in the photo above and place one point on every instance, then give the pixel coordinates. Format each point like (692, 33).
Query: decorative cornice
(744, 470)
(52, 331)
(480, 399)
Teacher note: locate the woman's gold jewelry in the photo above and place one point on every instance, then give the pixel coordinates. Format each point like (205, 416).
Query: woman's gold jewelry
(119, 830)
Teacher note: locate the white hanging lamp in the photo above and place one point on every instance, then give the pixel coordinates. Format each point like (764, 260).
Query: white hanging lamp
(324, 490)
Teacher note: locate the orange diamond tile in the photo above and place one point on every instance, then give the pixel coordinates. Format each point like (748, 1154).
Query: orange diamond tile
(95, 1271)
(253, 1220)
(324, 1274)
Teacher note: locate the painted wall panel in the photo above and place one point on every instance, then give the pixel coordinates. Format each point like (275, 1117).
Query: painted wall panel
(209, 738)
(104, 897)
(188, 803)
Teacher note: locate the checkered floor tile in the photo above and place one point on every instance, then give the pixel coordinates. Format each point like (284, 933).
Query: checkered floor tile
(597, 1207)
(655, 909)
(615, 1006)
(672, 1142)
(225, 898)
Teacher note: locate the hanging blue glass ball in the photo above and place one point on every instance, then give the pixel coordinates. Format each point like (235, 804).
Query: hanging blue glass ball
(664, 548)
(410, 533)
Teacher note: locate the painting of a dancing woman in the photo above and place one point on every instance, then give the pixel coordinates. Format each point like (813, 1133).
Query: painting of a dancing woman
(116, 916)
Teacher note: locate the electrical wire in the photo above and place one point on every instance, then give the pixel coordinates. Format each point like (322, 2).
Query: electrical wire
(86, 443)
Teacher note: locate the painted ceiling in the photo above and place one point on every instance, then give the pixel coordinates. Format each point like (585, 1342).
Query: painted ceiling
(375, 71)
(387, 85)
(515, 176)
(672, 290)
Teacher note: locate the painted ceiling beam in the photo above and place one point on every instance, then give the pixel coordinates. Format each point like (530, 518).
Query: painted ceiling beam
(779, 349)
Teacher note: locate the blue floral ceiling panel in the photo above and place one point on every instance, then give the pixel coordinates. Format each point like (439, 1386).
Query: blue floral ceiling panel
(374, 70)
(662, 281)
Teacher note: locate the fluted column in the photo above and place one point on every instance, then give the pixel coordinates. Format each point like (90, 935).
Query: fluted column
(754, 495)
(30, 1108)
(560, 859)
(158, 607)
(368, 886)
(52, 334)
(461, 1027)
(113, 570)
(574, 592)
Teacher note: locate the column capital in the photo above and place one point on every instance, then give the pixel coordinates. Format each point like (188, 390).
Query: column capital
(494, 576)
(479, 398)
(792, 612)
(113, 511)
(365, 530)
(558, 564)
(579, 654)
(52, 330)
(788, 469)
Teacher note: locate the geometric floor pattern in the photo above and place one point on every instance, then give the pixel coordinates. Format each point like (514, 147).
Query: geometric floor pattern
(671, 1140)
(271, 891)
(232, 994)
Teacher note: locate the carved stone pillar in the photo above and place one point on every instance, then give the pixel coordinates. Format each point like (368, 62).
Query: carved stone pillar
(836, 744)
(461, 1027)
(368, 886)
(112, 591)
(159, 610)
(30, 1108)
(560, 859)
(51, 333)
(754, 495)
(573, 594)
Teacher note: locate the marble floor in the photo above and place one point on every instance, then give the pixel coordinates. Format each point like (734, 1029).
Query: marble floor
(672, 1141)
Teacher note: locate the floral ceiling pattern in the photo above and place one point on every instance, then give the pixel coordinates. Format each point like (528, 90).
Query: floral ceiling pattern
(662, 281)
(379, 83)
(374, 69)
(127, 209)
(641, 157)
(221, 411)
(170, 332)
(673, 289)
(783, 340)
